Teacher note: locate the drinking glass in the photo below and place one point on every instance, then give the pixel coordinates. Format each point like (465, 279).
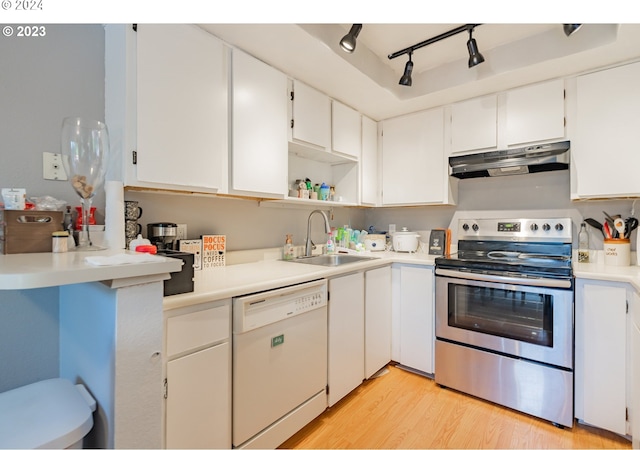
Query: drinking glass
(84, 146)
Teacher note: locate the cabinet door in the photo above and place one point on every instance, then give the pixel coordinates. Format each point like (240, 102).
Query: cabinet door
(311, 112)
(199, 400)
(535, 113)
(635, 372)
(608, 127)
(417, 332)
(413, 163)
(600, 374)
(181, 107)
(377, 321)
(346, 335)
(259, 154)
(346, 136)
(474, 124)
(369, 162)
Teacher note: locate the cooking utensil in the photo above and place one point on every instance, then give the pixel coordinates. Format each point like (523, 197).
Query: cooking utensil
(595, 224)
(610, 217)
(607, 231)
(630, 225)
(620, 227)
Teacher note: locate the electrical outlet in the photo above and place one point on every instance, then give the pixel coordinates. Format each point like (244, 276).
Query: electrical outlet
(181, 232)
(52, 168)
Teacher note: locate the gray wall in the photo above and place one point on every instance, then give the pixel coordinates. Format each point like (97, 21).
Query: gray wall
(42, 80)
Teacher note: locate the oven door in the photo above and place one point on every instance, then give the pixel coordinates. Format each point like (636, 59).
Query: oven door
(531, 322)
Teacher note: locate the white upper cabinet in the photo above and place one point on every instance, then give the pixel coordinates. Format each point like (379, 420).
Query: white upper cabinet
(346, 135)
(474, 124)
(311, 117)
(607, 124)
(182, 107)
(414, 169)
(518, 117)
(535, 113)
(259, 153)
(369, 162)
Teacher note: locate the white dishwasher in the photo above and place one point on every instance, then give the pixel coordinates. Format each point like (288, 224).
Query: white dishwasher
(279, 363)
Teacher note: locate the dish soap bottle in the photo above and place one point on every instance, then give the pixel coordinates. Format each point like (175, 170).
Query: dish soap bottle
(287, 251)
(331, 245)
(583, 244)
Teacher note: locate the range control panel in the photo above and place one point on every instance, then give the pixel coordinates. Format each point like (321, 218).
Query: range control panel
(531, 230)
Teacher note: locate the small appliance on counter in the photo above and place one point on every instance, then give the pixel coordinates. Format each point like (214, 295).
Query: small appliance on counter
(162, 234)
(405, 240)
(182, 281)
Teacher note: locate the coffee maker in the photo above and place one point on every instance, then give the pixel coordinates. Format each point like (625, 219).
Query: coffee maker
(162, 234)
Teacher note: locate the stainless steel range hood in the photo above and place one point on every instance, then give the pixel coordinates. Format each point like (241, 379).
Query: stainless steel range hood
(515, 161)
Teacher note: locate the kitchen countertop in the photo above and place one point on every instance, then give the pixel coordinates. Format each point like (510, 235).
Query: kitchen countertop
(240, 279)
(38, 270)
(594, 271)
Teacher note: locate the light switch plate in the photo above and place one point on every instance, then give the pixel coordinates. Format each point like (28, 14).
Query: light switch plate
(52, 168)
(181, 232)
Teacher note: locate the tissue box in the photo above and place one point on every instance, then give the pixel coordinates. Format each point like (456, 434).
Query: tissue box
(28, 231)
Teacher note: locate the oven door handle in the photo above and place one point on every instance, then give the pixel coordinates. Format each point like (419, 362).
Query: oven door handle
(542, 282)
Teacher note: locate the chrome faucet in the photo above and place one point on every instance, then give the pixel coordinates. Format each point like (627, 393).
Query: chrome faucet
(308, 244)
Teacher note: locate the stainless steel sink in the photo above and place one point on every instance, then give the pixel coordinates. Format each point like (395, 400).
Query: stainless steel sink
(331, 260)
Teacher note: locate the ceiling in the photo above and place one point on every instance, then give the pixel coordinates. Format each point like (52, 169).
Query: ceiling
(515, 54)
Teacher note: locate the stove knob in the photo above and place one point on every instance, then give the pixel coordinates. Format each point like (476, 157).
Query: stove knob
(465, 227)
(534, 227)
(546, 227)
(559, 227)
(475, 227)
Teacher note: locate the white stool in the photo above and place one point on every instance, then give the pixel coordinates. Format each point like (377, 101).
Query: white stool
(48, 414)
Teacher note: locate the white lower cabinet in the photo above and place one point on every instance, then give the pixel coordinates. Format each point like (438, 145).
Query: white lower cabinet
(377, 311)
(346, 335)
(634, 310)
(198, 376)
(601, 354)
(413, 316)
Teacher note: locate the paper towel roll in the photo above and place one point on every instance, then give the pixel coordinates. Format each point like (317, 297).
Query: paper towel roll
(114, 215)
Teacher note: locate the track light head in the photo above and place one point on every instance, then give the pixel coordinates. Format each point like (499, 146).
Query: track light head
(405, 80)
(348, 42)
(475, 57)
(570, 28)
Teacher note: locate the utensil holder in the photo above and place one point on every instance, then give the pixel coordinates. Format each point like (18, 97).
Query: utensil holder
(617, 252)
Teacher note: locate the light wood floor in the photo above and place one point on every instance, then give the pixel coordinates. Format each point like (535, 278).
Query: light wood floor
(403, 410)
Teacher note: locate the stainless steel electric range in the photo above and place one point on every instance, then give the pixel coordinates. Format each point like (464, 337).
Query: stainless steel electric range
(504, 315)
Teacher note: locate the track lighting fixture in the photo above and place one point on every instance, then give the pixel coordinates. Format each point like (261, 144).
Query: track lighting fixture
(406, 76)
(475, 57)
(348, 42)
(570, 28)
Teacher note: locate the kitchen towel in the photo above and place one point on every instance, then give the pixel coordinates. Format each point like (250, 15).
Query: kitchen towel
(114, 215)
(123, 258)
